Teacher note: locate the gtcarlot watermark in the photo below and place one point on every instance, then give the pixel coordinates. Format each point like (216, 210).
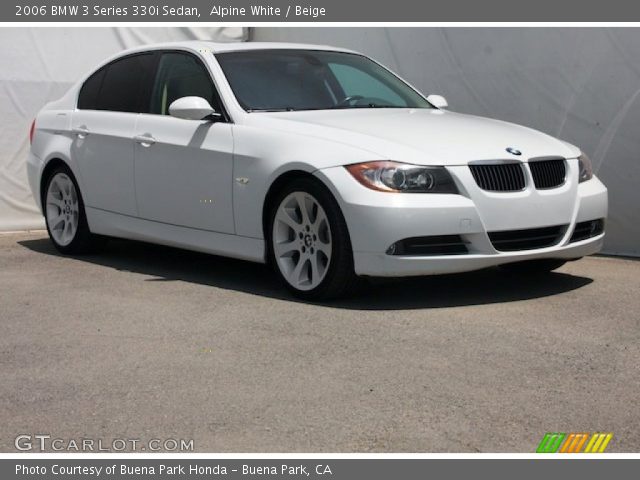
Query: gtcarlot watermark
(48, 443)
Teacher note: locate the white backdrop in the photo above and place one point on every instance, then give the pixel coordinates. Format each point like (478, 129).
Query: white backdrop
(582, 85)
(38, 65)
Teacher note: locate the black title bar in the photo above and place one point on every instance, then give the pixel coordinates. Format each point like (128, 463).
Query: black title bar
(252, 11)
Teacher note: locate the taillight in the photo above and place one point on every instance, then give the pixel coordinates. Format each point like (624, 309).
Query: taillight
(32, 130)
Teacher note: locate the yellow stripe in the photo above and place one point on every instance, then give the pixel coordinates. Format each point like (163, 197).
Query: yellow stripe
(606, 441)
(567, 442)
(583, 438)
(596, 445)
(594, 437)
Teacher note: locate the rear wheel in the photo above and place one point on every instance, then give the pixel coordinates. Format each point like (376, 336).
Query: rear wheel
(65, 215)
(308, 242)
(545, 265)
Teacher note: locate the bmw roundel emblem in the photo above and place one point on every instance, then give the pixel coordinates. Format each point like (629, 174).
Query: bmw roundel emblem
(514, 151)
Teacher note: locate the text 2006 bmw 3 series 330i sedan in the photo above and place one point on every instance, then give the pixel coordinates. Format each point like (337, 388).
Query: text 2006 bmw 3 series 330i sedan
(315, 159)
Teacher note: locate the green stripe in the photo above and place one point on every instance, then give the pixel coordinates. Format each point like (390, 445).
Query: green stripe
(559, 439)
(543, 443)
(551, 442)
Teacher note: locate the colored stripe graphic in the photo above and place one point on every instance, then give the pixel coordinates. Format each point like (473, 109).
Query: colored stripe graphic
(581, 442)
(598, 442)
(574, 442)
(551, 442)
(569, 444)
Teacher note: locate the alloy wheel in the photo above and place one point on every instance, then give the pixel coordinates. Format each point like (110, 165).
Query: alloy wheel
(302, 241)
(62, 209)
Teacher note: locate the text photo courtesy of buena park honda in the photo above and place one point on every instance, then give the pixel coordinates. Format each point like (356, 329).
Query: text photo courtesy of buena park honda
(266, 239)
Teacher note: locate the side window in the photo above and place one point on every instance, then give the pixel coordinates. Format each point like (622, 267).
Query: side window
(88, 97)
(181, 75)
(357, 82)
(123, 84)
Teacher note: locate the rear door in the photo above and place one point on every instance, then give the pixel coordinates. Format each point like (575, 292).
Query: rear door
(184, 168)
(103, 126)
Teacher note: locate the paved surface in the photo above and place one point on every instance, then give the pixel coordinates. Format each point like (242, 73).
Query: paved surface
(149, 342)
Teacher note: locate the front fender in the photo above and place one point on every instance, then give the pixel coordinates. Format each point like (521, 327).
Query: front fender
(261, 156)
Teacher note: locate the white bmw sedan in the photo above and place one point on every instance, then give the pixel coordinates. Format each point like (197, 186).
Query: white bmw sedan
(317, 160)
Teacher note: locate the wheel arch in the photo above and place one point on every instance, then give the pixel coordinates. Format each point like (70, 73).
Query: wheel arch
(51, 164)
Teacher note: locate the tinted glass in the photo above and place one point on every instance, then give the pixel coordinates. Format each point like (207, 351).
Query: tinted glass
(181, 75)
(355, 82)
(123, 85)
(313, 80)
(88, 97)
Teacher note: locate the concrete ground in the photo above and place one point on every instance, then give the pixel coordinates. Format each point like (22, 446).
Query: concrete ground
(149, 342)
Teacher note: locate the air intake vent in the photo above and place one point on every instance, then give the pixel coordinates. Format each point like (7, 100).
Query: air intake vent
(499, 177)
(589, 229)
(514, 240)
(548, 173)
(434, 245)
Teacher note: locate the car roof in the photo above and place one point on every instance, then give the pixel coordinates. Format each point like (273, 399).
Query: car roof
(219, 47)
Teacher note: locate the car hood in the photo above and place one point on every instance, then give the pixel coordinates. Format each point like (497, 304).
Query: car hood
(421, 136)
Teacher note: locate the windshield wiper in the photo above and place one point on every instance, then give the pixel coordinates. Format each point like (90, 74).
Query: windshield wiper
(373, 105)
(334, 107)
(285, 109)
(370, 105)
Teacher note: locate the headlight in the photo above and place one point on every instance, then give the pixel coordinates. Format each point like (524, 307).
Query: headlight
(396, 177)
(586, 169)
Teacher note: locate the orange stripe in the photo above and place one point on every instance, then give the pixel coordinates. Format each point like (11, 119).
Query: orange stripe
(576, 439)
(567, 442)
(583, 439)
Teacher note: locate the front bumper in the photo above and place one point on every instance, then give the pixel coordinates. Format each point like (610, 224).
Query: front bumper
(381, 265)
(376, 220)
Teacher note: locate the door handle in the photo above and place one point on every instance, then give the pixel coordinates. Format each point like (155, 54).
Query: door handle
(145, 140)
(81, 131)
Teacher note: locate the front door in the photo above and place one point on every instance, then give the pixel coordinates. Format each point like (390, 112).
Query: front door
(183, 168)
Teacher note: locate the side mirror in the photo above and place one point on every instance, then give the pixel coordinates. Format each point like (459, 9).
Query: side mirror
(192, 108)
(438, 101)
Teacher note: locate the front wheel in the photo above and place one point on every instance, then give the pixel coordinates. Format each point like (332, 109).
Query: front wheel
(308, 242)
(545, 265)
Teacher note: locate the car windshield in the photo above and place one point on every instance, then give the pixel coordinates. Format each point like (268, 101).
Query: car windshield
(289, 80)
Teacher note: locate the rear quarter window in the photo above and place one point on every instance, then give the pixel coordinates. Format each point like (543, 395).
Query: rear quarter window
(120, 86)
(88, 97)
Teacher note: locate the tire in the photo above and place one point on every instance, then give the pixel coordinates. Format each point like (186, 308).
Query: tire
(65, 215)
(533, 267)
(310, 250)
